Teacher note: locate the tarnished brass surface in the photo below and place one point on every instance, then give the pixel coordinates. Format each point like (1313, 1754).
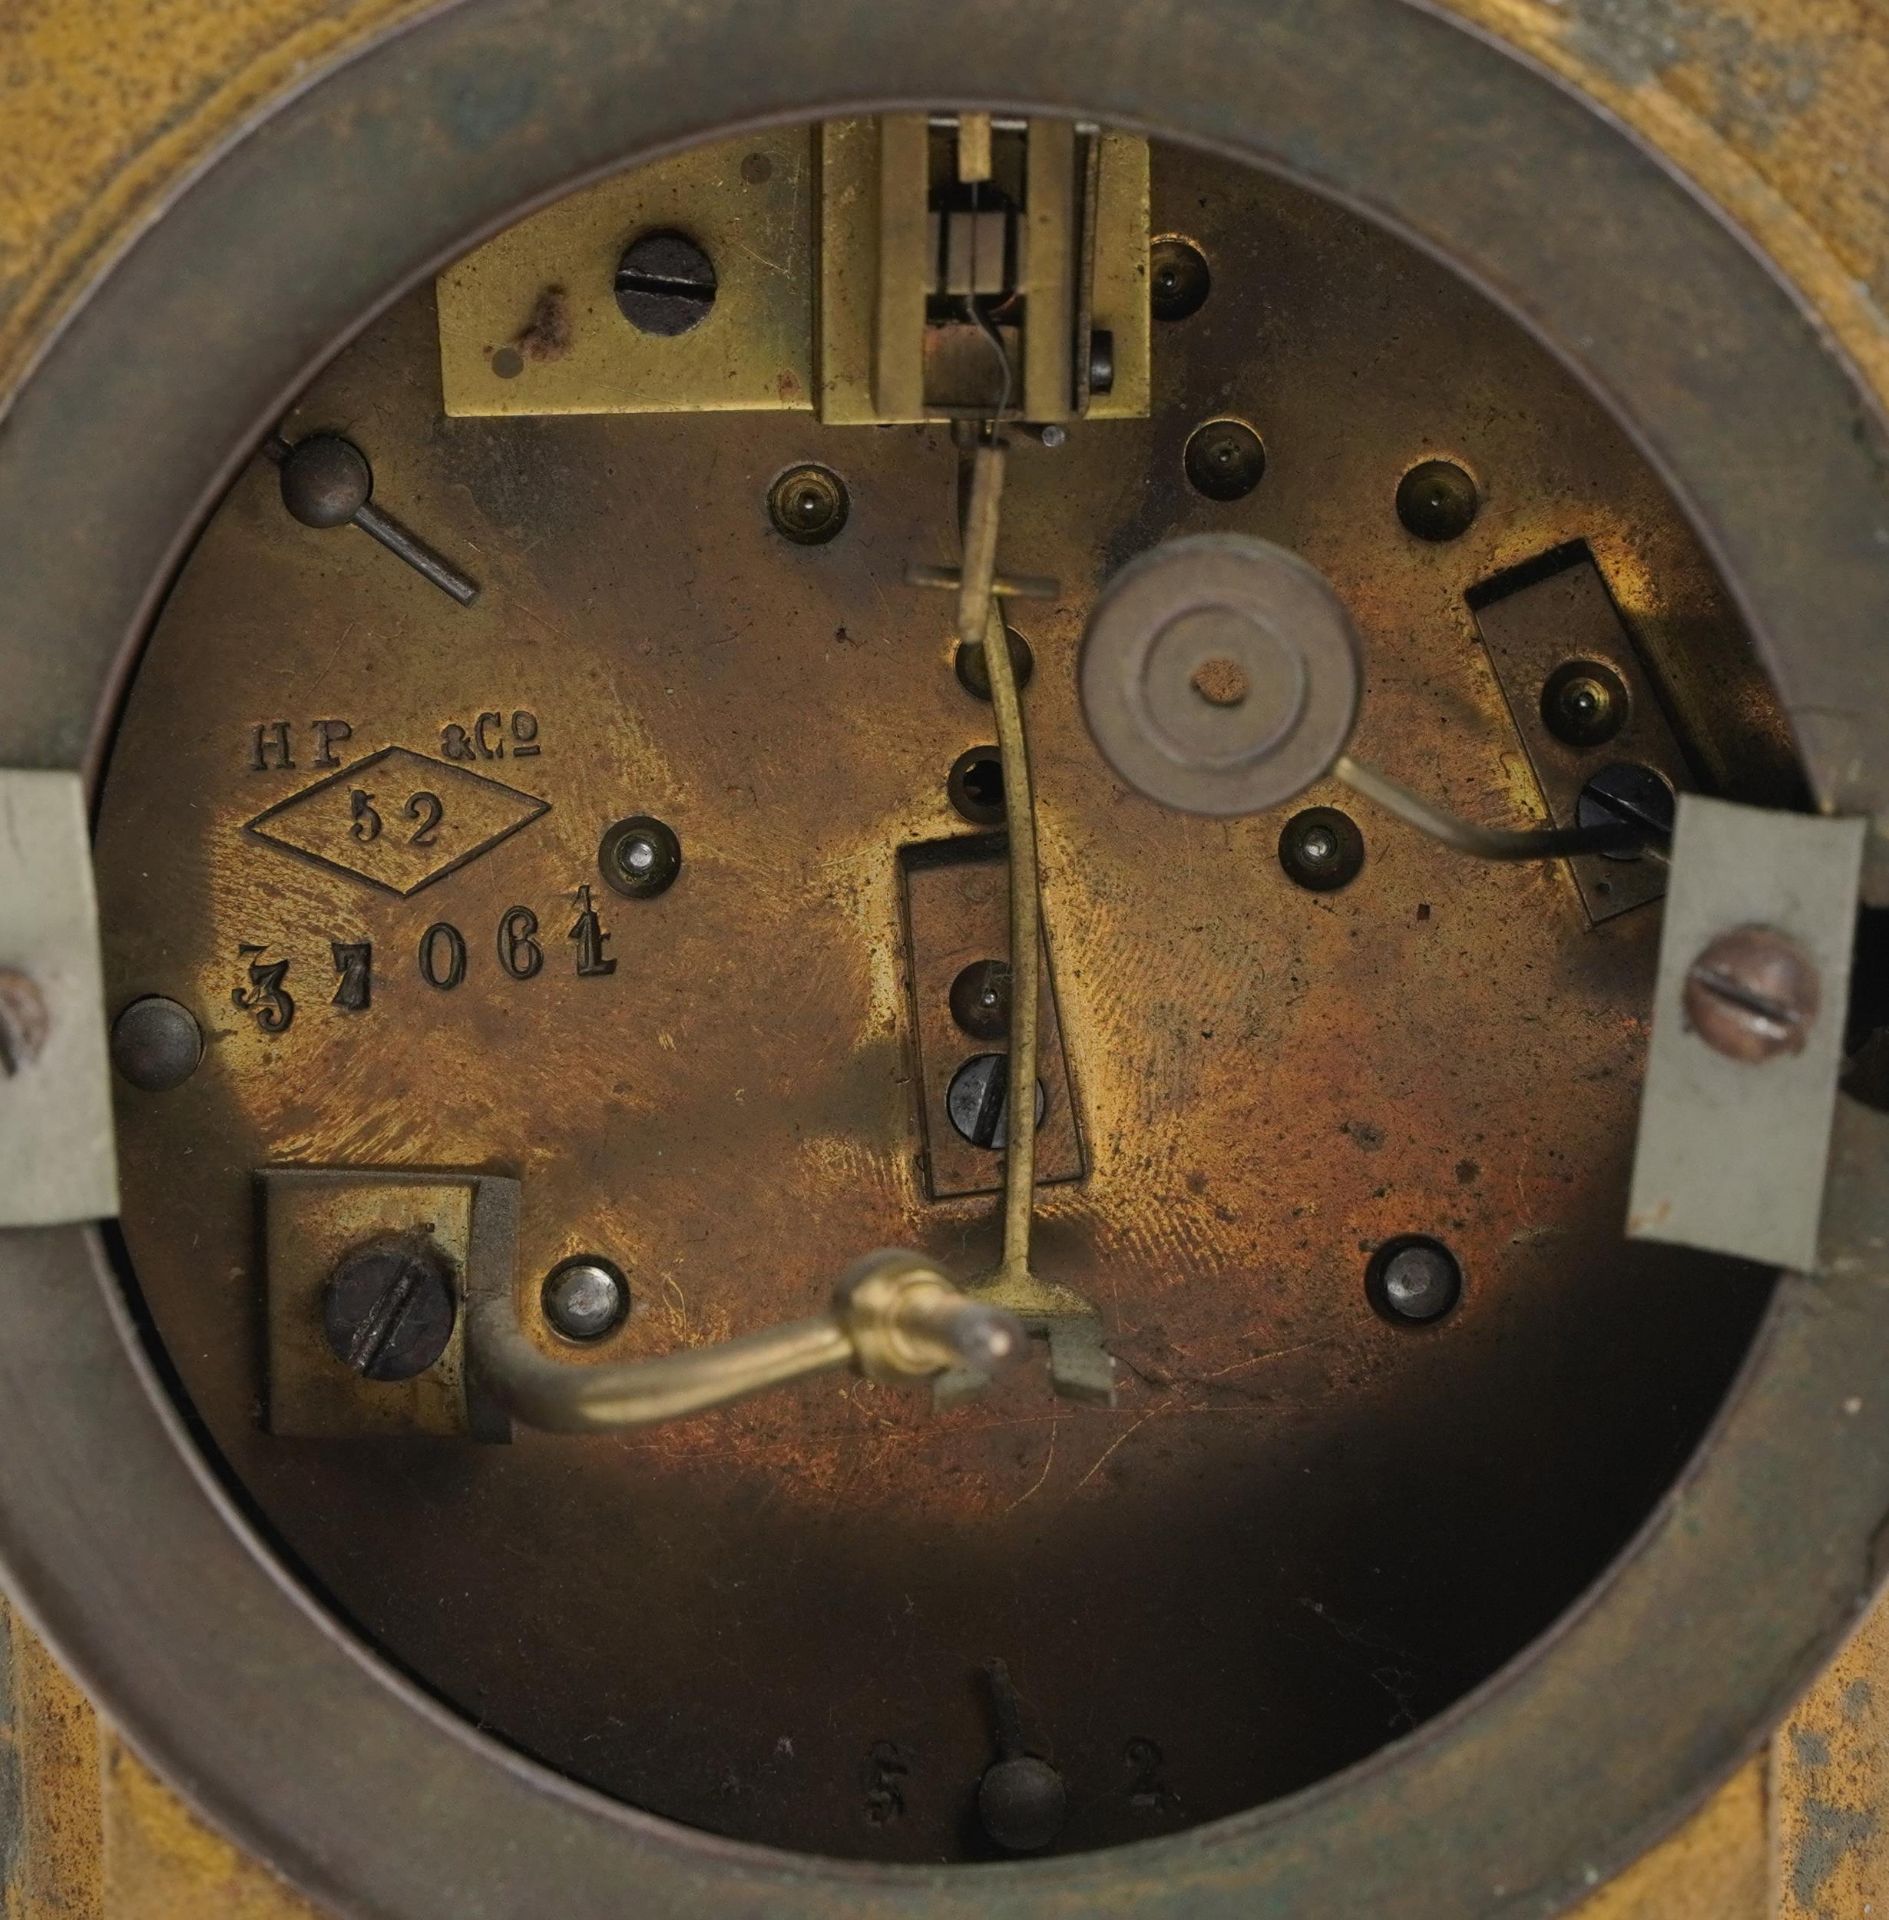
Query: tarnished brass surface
(1271, 1082)
(1778, 111)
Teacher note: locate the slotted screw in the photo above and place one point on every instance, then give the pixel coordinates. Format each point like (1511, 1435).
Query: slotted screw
(665, 284)
(1753, 994)
(389, 1309)
(978, 1100)
(1631, 796)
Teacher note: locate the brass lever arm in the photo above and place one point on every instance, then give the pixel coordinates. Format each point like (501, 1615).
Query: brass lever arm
(894, 1317)
(1488, 843)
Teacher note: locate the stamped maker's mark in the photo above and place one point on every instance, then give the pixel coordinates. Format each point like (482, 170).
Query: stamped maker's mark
(397, 819)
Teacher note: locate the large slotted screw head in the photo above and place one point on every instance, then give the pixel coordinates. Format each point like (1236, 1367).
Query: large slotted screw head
(665, 283)
(979, 1096)
(389, 1309)
(1629, 796)
(1753, 994)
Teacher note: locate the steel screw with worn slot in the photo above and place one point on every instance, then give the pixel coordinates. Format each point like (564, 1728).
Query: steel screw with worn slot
(390, 1307)
(665, 284)
(978, 1100)
(1753, 994)
(1627, 795)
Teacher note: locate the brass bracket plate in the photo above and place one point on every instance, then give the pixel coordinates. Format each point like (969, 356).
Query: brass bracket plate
(1529, 632)
(957, 910)
(314, 1215)
(60, 1164)
(1732, 1155)
(529, 324)
(852, 314)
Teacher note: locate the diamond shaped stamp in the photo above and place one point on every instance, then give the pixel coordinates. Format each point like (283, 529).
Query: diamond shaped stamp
(398, 820)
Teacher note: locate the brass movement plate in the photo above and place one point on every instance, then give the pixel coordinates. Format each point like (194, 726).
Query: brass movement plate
(1272, 1556)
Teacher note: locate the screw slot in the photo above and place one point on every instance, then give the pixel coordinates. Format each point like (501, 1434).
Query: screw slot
(1225, 459)
(389, 1308)
(808, 505)
(1626, 794)
(1753, 995)
(665, 283)
(975, 786)
(978, 1097)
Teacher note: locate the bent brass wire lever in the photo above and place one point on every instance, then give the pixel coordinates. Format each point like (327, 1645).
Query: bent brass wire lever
(895, 1317)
